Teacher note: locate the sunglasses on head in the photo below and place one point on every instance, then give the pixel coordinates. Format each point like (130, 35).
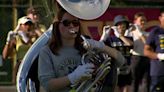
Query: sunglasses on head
(67, 23)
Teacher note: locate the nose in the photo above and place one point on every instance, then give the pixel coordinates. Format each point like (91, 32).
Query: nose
(71, 25)
(143, 22)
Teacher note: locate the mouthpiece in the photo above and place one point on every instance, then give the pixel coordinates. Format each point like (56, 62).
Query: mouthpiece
(73, 32)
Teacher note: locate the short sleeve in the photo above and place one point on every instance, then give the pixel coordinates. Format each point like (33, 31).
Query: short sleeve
(45, 67)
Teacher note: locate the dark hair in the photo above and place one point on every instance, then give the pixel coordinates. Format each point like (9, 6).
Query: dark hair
(161, 11)
(32, 10)
(55, 43)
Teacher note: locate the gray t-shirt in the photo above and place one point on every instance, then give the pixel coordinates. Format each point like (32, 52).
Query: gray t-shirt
(53, 66)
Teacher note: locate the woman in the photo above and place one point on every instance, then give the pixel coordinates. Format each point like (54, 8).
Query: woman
(122, 41)
(60, 60)
(140, 64)
(18, 42)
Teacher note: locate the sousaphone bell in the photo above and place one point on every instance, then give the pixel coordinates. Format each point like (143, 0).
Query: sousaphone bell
(85, 9)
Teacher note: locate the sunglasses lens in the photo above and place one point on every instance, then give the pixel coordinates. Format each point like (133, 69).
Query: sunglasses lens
(74, 22)
(28, 23)
(66, 23)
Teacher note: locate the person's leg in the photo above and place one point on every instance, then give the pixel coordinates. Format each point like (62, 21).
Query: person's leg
(135, 66)
(127, 88)
(154, 80)
(159, 87)
(146, 73)
(125, 83)
(16, 68)
(33, 74)
(142, 73)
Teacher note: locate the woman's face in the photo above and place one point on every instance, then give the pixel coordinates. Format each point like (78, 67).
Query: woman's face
(122, 27)
(140, 21)
(26, 27)
(69, 26)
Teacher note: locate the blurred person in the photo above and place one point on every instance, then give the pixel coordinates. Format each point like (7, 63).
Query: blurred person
(33, 14)
(154, 49)
(121, 40)
(140, 64)
(60, 64)
(18, 40)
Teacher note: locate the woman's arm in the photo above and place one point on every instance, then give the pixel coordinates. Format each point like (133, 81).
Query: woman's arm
(8, 48)
(126, 41)
(49, 78)
(120, 59)
(46, 72)
(90, 44)
(58, 83)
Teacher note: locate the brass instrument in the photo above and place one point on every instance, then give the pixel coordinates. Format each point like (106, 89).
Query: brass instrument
(85, 9)
(102, 61)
